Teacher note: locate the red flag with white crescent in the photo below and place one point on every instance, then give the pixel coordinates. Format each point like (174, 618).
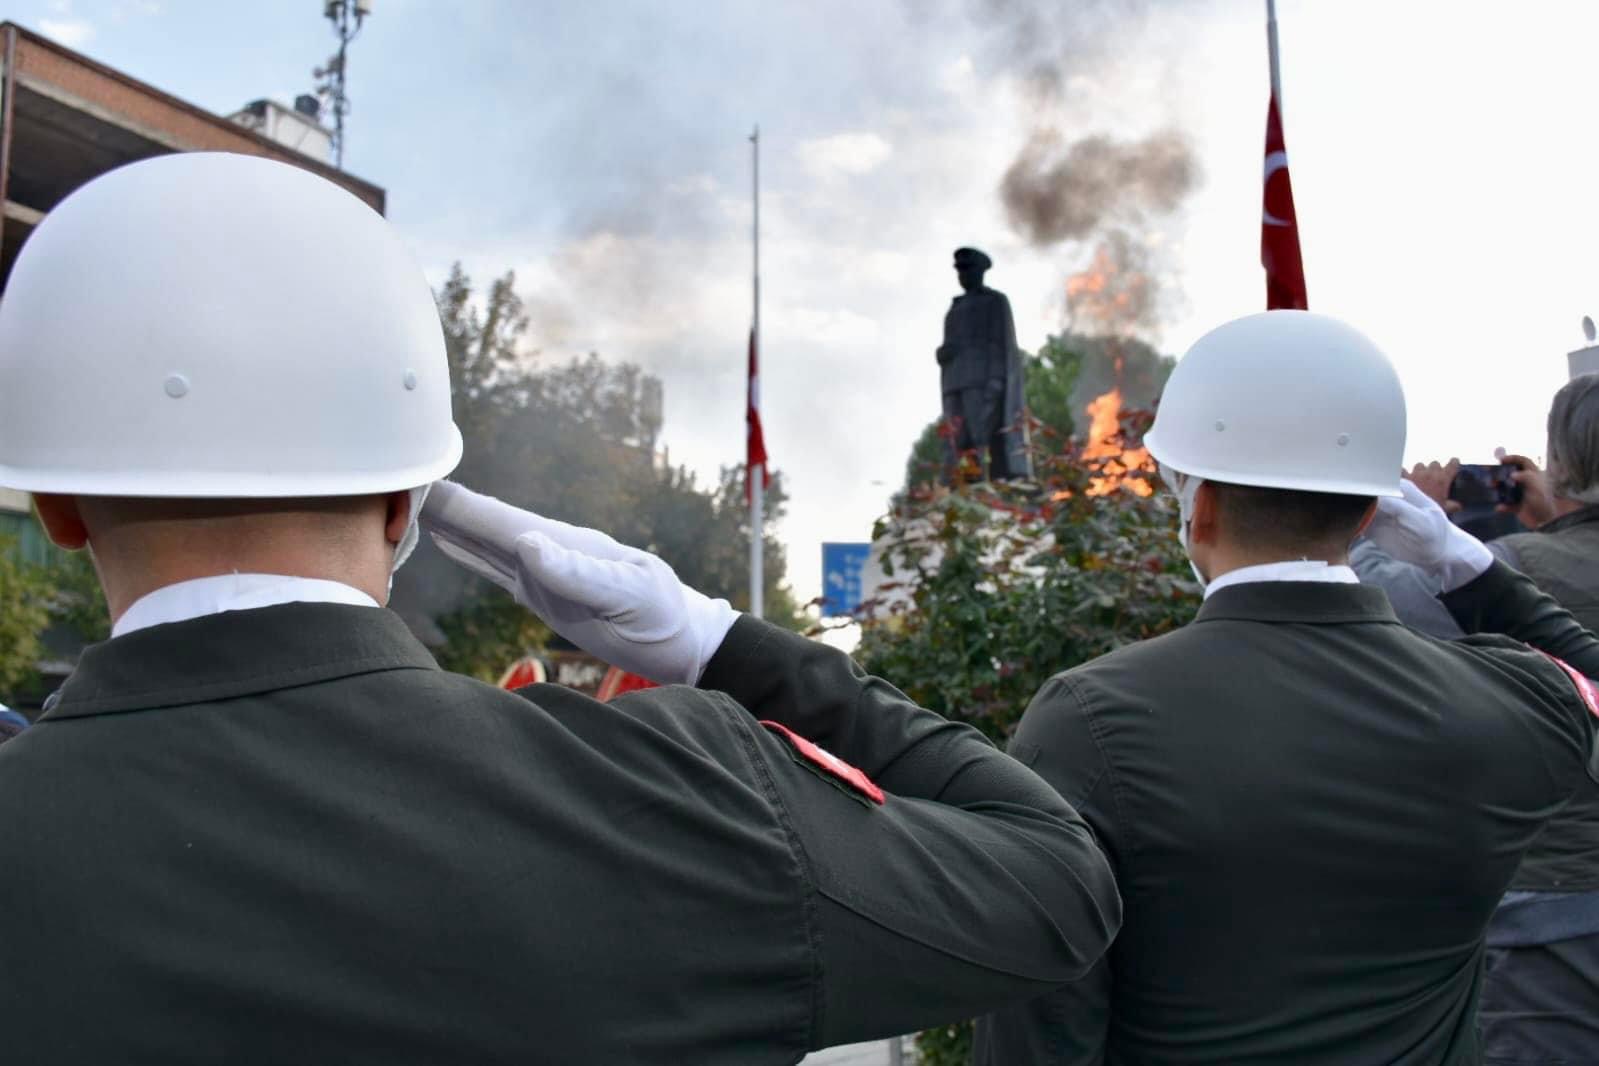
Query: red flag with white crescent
(755, 443)
(1279, 229)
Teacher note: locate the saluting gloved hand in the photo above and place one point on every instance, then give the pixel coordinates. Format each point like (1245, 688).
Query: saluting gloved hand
(1415, 529)
(618, 603)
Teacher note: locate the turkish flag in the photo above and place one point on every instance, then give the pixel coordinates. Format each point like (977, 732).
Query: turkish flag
(755, 442)
(1279, 230)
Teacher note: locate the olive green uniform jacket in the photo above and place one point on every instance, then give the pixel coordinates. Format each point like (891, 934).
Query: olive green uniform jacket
(284, 835)
(1312, 811)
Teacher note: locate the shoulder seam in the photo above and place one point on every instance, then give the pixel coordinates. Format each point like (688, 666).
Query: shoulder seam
(1072, 686)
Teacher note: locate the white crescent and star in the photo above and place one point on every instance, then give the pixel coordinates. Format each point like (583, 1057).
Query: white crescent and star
(1275, 161)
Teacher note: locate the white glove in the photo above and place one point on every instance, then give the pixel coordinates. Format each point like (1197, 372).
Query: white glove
(1413, 528)
(618, 603)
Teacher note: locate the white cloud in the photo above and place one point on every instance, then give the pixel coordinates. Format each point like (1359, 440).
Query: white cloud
(74, 33)
(844, 154)
(826, 326)
(957, 77)
(1435, 248)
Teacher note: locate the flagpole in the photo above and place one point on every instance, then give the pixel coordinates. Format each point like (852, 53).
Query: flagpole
(756, 477)
(1271, 47)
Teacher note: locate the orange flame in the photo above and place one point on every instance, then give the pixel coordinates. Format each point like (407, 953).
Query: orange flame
(1109, 452)
(1111, 296)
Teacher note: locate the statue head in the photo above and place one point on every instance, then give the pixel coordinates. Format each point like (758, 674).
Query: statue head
(970, 266)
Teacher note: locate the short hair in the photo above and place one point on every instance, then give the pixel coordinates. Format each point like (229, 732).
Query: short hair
(1574, 440)
(1290, 520)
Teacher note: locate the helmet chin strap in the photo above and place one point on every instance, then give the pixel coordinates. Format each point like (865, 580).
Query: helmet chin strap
(1187, 490)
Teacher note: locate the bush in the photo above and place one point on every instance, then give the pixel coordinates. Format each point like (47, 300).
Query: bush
(994, 588)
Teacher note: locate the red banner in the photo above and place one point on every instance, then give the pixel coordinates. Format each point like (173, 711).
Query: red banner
(1279, 229)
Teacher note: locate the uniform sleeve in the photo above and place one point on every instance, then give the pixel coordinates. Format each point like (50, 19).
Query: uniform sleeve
(971, 884)
(1068, 1026)
(1502, 600)
(1507, 602)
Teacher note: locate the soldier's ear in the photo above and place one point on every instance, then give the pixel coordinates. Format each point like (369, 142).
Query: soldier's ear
(397, 516)
(62, 522)
(1365, 521)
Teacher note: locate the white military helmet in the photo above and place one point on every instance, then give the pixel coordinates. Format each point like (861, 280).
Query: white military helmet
(207, 324)
(1284, 400)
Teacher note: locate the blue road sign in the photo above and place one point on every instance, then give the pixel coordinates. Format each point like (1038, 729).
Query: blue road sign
(841, 578)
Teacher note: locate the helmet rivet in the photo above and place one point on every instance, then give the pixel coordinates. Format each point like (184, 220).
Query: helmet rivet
(176, 386)
(1220, 425)
(410, 380)
(1343, 439)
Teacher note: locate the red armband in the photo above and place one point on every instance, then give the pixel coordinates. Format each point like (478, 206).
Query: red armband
(1585, 687)
(829, 766)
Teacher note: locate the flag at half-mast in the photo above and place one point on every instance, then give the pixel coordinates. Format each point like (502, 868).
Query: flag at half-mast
(1279, 229)
(755, 440)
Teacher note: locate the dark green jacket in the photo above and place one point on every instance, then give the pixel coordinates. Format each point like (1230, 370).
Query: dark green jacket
(1312, 811)
(285, 836)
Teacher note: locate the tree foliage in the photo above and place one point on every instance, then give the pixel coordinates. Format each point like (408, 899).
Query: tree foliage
(47, 610)
(578, 441)
(24, 613)
(76, 600)
(993, 588)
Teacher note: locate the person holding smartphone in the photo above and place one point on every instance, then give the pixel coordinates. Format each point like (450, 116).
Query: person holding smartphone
(1540, 999)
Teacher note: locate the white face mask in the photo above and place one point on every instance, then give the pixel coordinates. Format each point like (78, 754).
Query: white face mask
(413, 532)
(1186, 490)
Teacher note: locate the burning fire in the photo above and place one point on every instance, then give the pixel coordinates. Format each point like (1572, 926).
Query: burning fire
(1110, 454)
(1113, 295)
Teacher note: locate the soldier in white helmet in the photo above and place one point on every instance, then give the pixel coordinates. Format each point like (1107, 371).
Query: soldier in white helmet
(259, 824)
(1312, 810)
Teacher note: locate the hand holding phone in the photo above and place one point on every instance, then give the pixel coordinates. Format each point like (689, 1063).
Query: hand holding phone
(1487, 485)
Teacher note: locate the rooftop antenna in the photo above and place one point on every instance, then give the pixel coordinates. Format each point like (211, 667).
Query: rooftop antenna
(347, 17)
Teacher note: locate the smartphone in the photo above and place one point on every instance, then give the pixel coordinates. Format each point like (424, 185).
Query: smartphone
(1486, 485)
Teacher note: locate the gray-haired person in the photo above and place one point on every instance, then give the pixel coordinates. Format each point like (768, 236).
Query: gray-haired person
(1540, 1002)
(1540, 998)
(1560, 506)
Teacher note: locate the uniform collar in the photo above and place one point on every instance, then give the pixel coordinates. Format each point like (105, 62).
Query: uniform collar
(236, 653)
(232, 592)
(1309, 602)
(1288, 570)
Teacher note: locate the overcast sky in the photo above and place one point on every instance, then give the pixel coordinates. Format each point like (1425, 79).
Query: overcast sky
(1442, 153)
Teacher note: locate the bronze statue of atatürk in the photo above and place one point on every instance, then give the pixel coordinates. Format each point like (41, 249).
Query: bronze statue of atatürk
(981, 375)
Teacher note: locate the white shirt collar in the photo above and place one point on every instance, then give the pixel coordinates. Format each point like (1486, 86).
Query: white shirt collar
(1290, 570)
(232, 592)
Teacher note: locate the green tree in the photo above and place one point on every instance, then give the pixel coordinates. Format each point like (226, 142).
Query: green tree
(575, 441)
(76, 599)
(487, 635)
(24, 614)
(1051, 390)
